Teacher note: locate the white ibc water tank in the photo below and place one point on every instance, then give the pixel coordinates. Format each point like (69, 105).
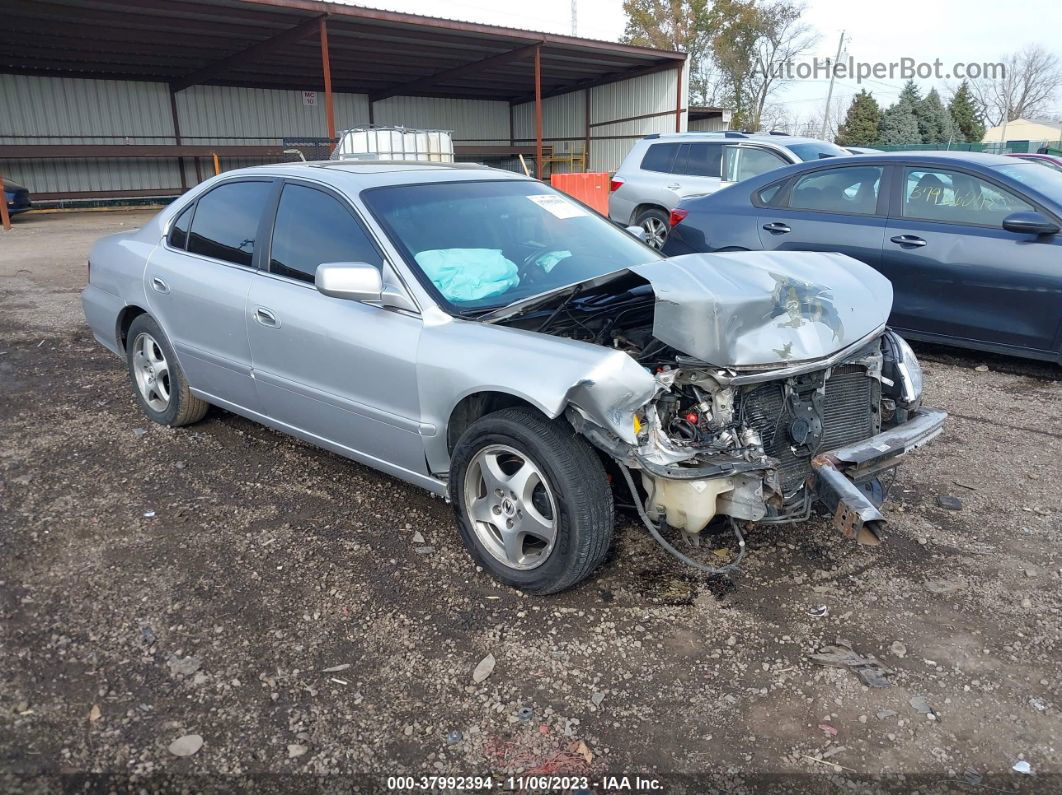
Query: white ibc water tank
(394, 143)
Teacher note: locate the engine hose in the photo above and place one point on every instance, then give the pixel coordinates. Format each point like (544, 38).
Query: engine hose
(655, 532)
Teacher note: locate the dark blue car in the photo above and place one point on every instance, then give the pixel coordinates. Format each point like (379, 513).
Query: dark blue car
(970, 242)
(17, 198)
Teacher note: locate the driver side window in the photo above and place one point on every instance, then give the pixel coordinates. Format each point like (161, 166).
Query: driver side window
(957, 198)
(312, 228)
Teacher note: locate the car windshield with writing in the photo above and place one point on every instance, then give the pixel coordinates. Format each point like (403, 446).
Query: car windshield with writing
(481, 245)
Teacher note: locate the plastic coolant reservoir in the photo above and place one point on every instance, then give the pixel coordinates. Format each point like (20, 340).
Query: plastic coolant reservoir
(686, 504)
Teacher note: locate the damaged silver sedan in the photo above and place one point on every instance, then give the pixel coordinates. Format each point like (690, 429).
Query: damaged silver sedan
(485, 337)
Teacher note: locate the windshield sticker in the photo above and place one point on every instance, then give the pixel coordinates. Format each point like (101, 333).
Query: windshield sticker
(558, 206)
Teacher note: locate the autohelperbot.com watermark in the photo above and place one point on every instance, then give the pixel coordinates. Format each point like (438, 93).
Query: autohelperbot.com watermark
(901, 69)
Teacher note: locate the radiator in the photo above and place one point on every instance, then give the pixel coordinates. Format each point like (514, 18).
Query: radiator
(848, 416)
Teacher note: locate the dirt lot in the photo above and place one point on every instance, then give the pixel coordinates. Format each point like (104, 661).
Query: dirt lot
(157, 583)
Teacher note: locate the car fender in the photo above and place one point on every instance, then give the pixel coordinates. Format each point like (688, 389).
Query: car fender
(460, 358)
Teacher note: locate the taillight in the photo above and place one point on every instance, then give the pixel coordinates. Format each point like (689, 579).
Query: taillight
(676, 216)
(614, 185)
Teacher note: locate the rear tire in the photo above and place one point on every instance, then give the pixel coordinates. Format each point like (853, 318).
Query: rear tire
(654, 222)
(158, 381)
(532, 500)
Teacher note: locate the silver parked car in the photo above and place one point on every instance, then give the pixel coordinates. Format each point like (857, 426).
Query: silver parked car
(480, 335)
(662, 170)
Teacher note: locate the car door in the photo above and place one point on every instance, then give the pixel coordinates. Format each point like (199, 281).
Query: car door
(197, 282)
(744, 161)
(696, 170)
(841, 208)
(341, 372)
(957, 273)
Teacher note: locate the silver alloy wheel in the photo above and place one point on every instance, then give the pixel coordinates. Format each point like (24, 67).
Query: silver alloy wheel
(655, 232)
(152, 372)
(511, 507)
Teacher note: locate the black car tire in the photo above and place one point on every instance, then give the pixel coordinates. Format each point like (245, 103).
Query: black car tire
(577, 485)
(181, 406)
(654, 222)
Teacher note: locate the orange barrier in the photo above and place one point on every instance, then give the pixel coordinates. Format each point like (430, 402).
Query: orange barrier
(590, 189)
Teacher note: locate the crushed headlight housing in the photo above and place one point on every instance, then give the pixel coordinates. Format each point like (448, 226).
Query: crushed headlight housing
(902, 367)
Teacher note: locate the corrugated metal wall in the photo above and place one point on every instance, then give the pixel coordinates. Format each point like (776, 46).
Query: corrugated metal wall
(650, 96)
(51, 110)
(471, 120)
(46, 110)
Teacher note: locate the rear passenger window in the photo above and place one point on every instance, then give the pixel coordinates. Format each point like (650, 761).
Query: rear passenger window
(226, 221)
(312, 228)
(701, 160)
(660, 157)
(838, 190)
(179, 231)
(767, 195)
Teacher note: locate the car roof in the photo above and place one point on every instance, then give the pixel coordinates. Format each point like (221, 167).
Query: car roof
(943, 156)
(733, 135)
(356, 175)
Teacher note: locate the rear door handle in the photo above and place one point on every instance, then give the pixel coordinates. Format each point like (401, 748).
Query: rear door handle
(159, 286)
(908, 240)
(266, 318)
(777, 228)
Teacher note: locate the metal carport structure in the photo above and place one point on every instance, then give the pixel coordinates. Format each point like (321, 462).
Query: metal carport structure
(298, 45)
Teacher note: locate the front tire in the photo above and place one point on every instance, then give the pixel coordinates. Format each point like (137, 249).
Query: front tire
(158, 381)
(532, 500)
(654, 222)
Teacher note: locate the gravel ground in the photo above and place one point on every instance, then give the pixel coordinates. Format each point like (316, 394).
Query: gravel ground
(228, 582)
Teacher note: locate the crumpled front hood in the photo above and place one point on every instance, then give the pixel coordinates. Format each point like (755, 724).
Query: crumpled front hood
(763, 308)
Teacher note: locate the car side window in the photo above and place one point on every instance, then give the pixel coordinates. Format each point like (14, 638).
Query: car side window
(660, 157)
(700, 160)
(745, 162)
(226, 221)
(956, 198)
(312, 228)
(765, 196)
(179, 231)
(838, 190)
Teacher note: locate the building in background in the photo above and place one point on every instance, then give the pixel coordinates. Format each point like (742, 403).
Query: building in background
(130, 99)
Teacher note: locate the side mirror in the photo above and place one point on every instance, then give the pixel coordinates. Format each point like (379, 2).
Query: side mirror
(1030, 224)
(355, 281)
(359, 281)
(637, 231)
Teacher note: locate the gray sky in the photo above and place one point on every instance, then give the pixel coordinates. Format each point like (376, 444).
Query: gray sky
(951, 30)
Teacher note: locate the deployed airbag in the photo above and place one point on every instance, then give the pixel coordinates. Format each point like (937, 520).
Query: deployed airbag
(468, 274)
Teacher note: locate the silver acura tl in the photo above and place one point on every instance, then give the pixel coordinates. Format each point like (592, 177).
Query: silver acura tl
(478, 334)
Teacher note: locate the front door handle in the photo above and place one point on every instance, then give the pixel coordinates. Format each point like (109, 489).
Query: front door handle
(777, 228)
(266, 318)
(674, 186)
(908, 240)
(159, 286)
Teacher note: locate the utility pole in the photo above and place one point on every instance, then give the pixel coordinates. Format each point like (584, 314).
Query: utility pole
(829, 93)
(575, 17)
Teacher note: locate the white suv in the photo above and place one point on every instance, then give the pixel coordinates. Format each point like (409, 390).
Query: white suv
(661, 170)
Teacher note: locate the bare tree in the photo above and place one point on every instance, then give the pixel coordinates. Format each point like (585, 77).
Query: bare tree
(751, 42)
(1031, 80)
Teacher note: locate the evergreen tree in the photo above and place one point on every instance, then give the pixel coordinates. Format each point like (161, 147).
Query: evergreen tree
(912, 97)
(934, 121)
(899, 125)
(861, 126)
(969, 126)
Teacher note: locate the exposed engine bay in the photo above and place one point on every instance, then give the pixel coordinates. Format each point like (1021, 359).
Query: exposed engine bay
(742, 441)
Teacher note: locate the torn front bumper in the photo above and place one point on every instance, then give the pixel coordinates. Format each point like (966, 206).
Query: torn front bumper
(837, 473)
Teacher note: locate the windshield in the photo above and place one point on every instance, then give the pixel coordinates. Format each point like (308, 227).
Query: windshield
(1045, 180)
(816, 150)
(482, 245)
